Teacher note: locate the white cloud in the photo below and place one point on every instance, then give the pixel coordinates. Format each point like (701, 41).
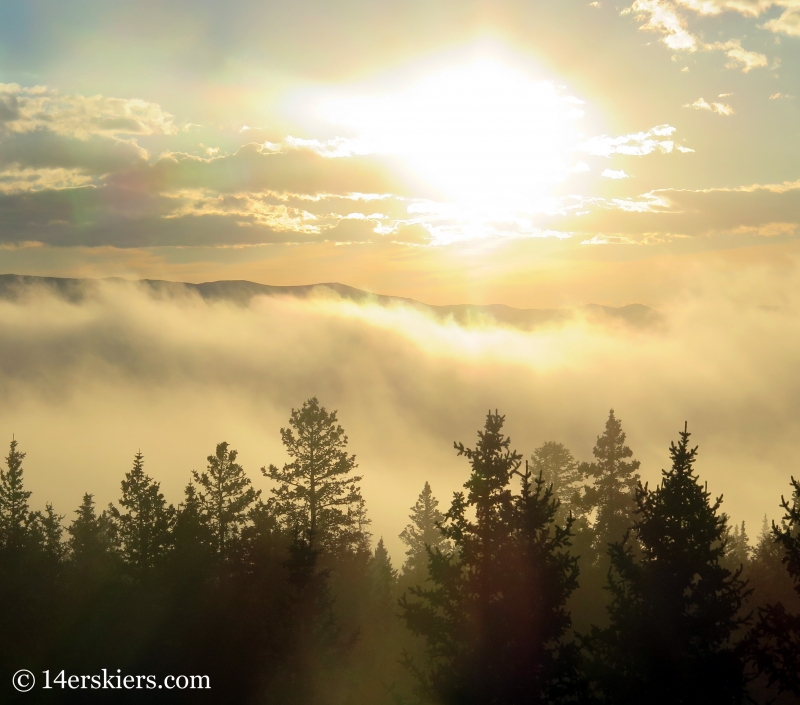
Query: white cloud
(635, 144)
(663, 17)
(750, 8)
(612, 174)
(609, 240)
(719, 108)
(333, 148)
(788, 23)
(660, 16)
(738, 56)
(25, 110)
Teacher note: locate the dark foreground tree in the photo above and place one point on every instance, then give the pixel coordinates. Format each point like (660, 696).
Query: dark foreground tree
(226, 494)
(675, 608)
(318, 496)
(145, 522)
(775, 642)
(495, 616)
(15, 516)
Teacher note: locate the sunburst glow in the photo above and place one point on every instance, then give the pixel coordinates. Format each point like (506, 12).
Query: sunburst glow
(481, 132)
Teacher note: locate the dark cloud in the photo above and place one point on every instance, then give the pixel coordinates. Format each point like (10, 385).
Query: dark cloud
(412, 234)
(696, 213)
(254, 168)
(95, 155)
(9, 108)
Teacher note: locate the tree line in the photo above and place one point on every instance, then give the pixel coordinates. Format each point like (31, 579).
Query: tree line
(547, 580)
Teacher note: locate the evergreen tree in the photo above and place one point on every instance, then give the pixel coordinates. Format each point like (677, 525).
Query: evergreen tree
(768, 576)
(317, 493)
(145, 522)
(495, 616)
(15, 515)
(674, 609)
(737, 547)
(48, 532)
(613, 494)
(775, 641)
(311, 643)
(422, 535)
(558, 468)
(91, 540)
(383, 583)
(226, 499)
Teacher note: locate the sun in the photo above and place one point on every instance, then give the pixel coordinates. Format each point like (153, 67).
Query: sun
(482, 132)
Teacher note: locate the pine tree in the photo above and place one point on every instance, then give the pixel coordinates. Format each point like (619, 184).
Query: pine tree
(15, 515)
(422, 535)
(775, 641)
(737, 548)
(383, 583)
(311, 644)
(91, 541)
(227, 497)
(558, 468)
(191, 523)
(145, 523)
(614, 490)
(768, 575)
(675, 609)
(317, 495)
(48, 532)
(495, 615)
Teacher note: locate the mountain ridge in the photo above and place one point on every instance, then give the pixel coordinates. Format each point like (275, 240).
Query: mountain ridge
(242, 292)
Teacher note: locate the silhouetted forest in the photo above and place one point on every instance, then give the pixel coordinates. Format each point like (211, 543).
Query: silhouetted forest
(546, 580)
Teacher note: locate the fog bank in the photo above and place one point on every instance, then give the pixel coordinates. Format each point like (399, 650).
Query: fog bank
(87, 383)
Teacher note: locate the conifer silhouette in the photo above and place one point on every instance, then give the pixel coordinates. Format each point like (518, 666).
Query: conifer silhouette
(614, 490)
(558, 468)
(225, 498)
(317, 495)
(422, 535)
(15, 515)
(775, 641)
(145, 522)
(91, 542)
(495, 616)
(675, 609)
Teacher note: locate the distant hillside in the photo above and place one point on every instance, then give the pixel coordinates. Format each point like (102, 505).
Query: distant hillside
(12, 286)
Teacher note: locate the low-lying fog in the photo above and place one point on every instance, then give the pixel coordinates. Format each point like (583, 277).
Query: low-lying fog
(85, 385)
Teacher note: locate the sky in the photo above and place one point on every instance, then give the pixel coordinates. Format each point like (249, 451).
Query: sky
(452, 152)
(550, 153)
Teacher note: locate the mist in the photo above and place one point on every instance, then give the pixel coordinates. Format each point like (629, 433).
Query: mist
(86, 383)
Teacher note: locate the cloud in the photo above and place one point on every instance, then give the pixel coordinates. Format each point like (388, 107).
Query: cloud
(20, 180)
(611, 174)
(193, 373)
(738, 56)
(24, 110)
(750, 8)
(95, 155)
(635, 144)
(763, 210)
(662, 16)
(787, 23)
(719, 108)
